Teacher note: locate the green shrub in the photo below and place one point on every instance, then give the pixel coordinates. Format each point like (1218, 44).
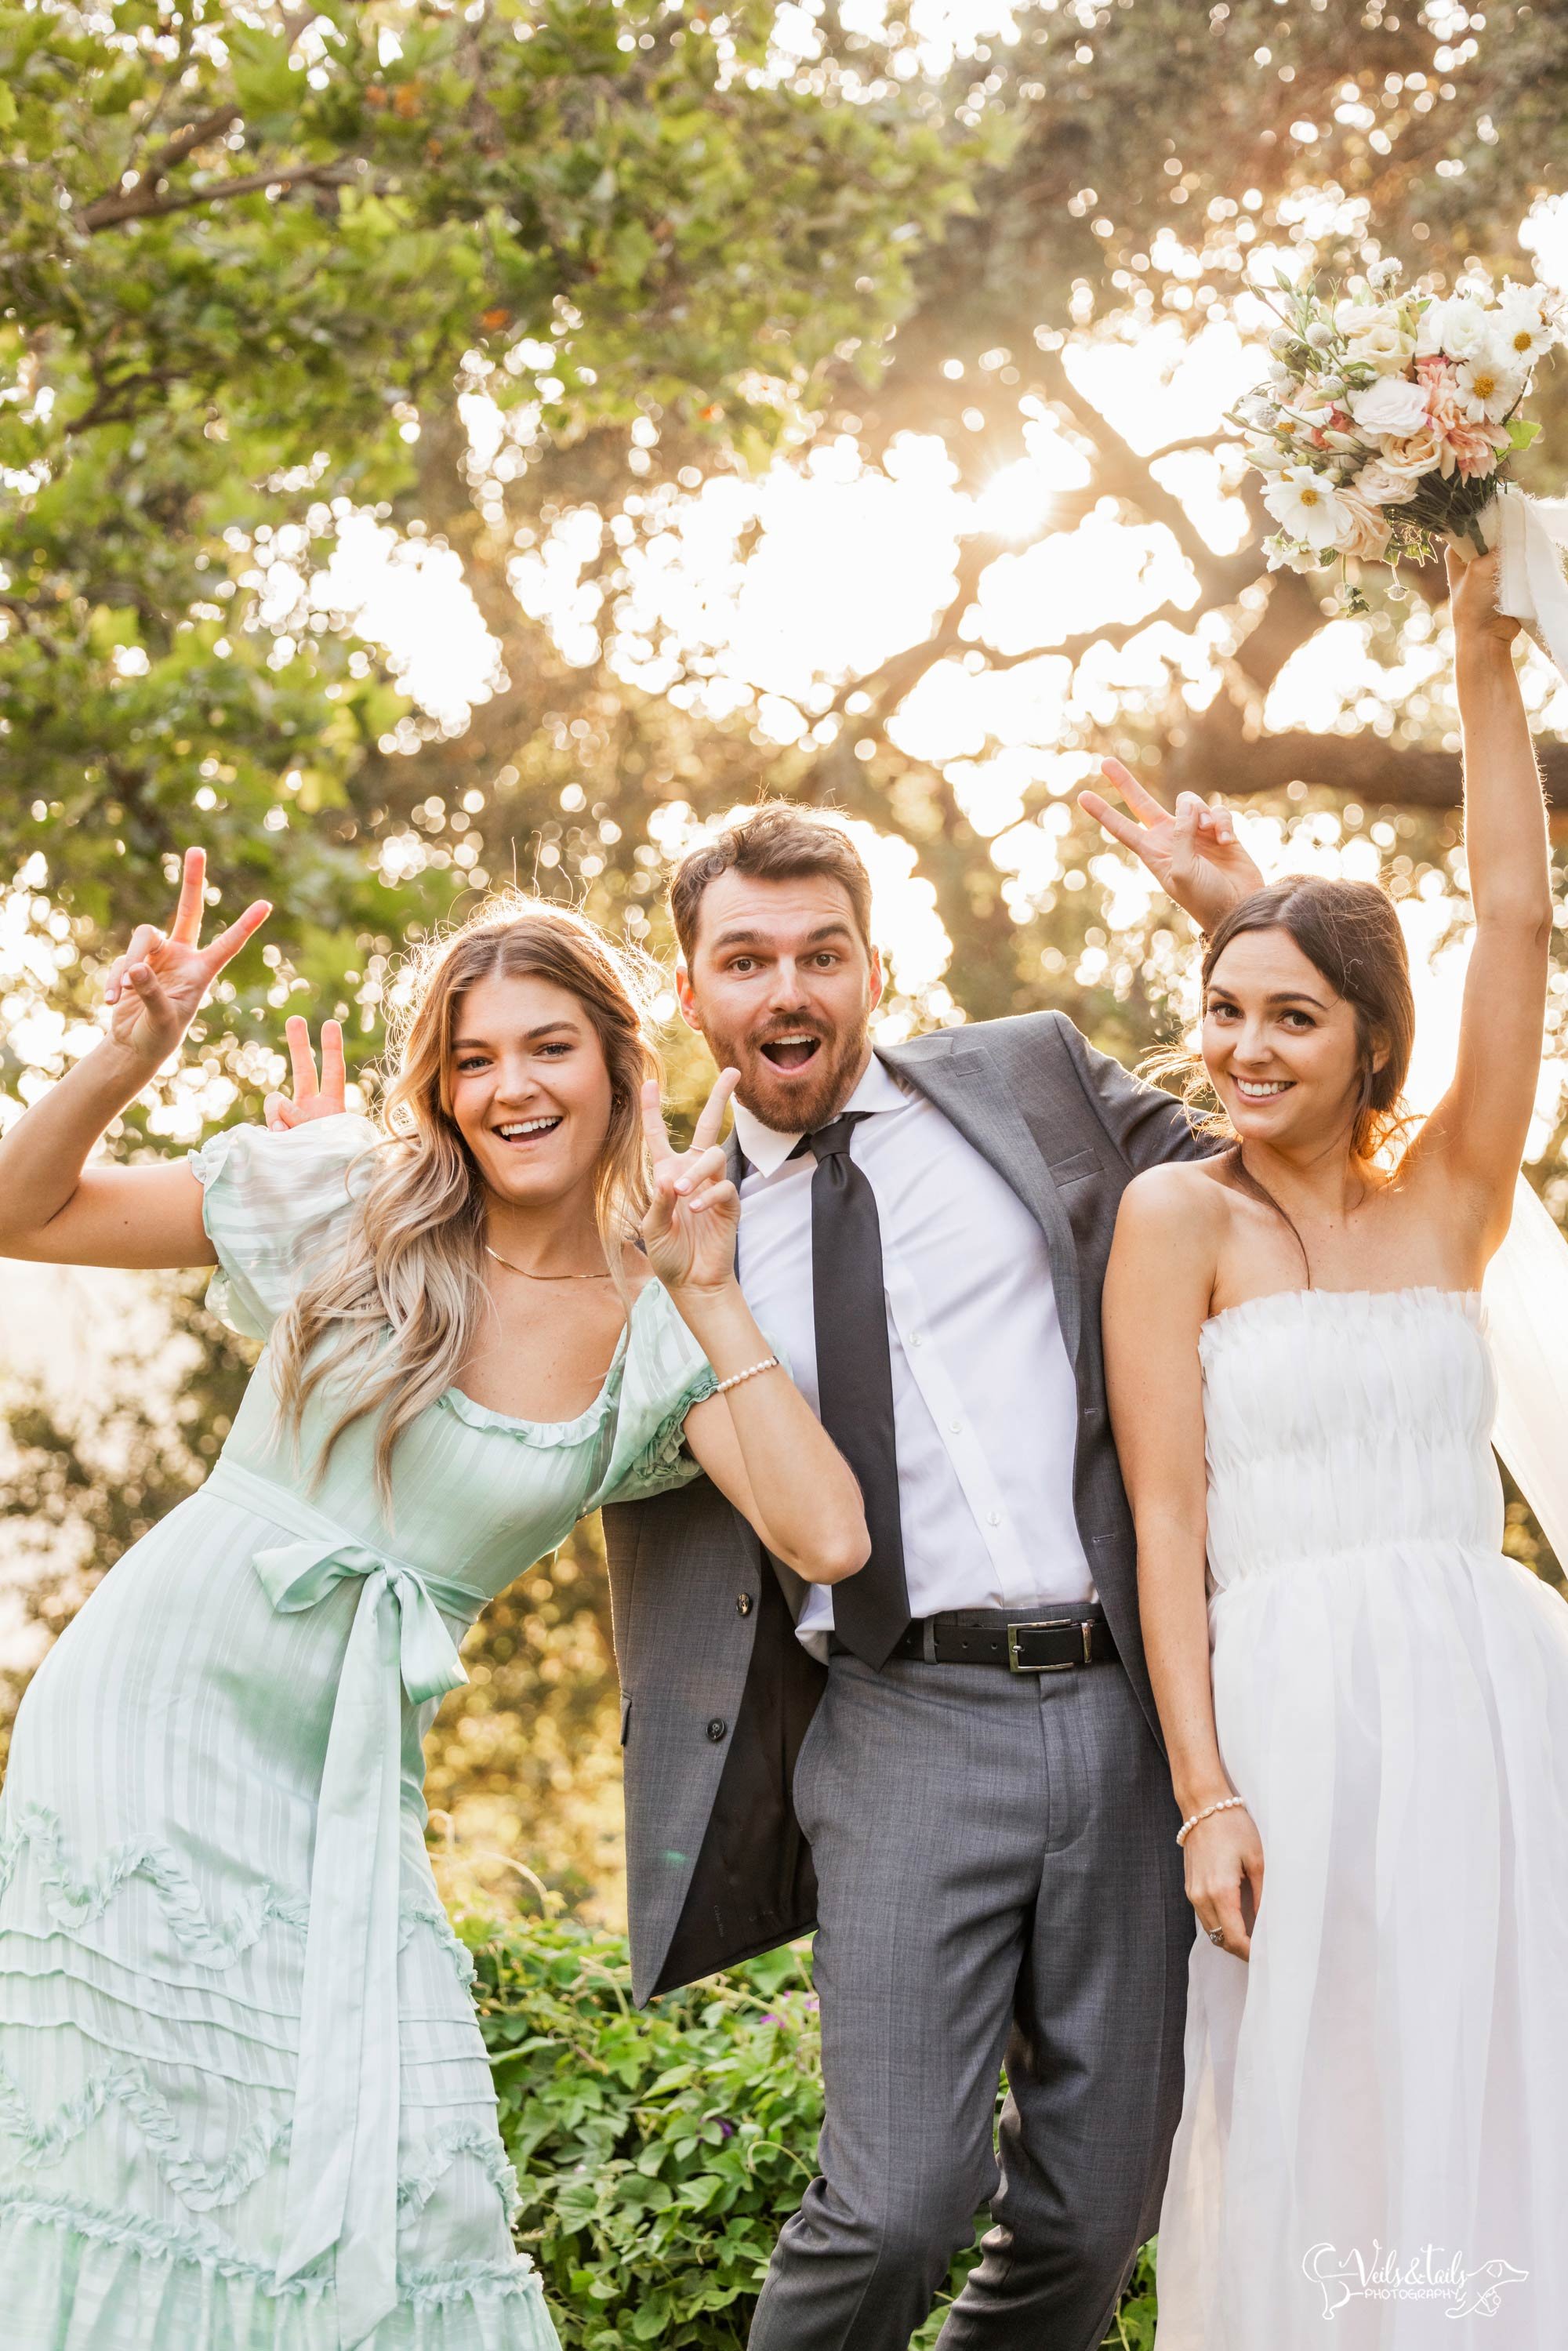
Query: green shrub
(660, 2150)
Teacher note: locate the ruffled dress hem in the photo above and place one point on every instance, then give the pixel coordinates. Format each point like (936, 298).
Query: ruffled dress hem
(122, 2279)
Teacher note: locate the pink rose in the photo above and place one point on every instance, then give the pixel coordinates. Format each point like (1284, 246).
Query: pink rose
(1409, 455)
(1470, 448)
(1364, 532)
(1475, 449)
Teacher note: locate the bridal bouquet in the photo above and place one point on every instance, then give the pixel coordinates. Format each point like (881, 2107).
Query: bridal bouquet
(1388, 421)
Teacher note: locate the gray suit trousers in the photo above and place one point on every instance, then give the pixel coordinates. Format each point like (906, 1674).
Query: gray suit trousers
(997, 1879)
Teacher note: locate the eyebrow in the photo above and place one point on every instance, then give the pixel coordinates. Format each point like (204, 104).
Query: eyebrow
(1281, 996)
(749, 938)
(544, 1029)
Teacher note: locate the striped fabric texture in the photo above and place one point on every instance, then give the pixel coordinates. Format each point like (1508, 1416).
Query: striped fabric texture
(243, 2101)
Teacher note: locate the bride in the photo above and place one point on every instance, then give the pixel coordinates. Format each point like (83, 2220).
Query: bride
(1365, 1704)
(243, 2103)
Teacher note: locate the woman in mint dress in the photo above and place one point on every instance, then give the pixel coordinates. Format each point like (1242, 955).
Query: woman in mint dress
(243, 2101)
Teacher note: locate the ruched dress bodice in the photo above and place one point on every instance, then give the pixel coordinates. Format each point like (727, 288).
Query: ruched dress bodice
(1346, 1420)
(1373, 2128)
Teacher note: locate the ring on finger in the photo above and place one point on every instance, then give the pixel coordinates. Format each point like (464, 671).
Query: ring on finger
(1215, 1934)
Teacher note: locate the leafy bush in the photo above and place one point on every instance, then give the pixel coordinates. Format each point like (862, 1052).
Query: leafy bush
(661, 2150)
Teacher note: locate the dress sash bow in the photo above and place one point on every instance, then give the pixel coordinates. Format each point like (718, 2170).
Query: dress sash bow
(342, 2165)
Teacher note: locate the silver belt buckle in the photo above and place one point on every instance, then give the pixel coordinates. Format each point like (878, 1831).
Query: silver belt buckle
(1050, 1625)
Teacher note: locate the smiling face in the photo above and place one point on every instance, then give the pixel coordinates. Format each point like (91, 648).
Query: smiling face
(530, 1088)
(1279, 1045)
(782, 987)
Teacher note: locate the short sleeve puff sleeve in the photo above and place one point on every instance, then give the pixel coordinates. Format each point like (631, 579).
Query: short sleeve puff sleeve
(664, 1374)
(276, 1207)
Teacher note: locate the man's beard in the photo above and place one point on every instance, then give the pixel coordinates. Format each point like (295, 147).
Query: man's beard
(797, 1105)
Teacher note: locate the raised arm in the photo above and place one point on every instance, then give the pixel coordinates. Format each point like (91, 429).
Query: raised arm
(1475, 1139)
(54, 1208)
(760, 1442)
(1158, 1288)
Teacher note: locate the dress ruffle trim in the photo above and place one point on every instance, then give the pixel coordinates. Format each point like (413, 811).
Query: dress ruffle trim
(41, 2142)
(77, 1896)
(202, 2185)
(663, 1462)
(545, 1435)
(65, 2263)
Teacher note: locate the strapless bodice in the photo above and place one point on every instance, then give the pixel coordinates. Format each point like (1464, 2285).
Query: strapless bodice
(1341, 1419)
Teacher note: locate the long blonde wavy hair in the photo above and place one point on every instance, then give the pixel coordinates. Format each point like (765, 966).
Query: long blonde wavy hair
(396, 1318)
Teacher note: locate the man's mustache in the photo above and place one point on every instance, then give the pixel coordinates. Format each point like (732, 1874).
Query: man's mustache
(760, 1036)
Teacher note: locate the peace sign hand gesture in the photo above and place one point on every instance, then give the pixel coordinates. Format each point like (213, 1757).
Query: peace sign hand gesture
(689, 1230)
(156, 988)
(310, 1098)
(1194, 854)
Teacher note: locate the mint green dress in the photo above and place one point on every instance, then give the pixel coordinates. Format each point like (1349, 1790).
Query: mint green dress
(243, 2101)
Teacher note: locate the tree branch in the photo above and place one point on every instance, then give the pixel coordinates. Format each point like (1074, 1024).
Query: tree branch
(1363, 766)
(185, 142)
(1125, 475)
(145, 204)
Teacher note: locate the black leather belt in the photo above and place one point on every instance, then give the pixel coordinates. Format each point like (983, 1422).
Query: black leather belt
(1043, 1645)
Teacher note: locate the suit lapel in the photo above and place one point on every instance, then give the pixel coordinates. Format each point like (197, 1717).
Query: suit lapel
(954, 1070)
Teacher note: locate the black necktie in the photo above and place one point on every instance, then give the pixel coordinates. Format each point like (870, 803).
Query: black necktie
(855, 1382)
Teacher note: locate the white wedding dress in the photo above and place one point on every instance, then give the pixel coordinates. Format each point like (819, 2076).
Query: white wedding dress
(1376, 2121)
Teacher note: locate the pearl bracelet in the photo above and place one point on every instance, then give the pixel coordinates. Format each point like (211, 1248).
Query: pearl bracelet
(1226, 1804)
(768, 1364)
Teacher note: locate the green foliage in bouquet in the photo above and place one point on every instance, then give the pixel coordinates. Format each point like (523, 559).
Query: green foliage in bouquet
(660, 2151)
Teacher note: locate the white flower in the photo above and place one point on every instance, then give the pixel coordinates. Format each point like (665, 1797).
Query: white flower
(1381, 486)
(1374, 336)
(1454, 329)
(1268, 457)
(1307, 506)
(1320, 334)
(1521, 327)
(1384, 273)
(1392, 404)
(1488, 387)
(1285, 555)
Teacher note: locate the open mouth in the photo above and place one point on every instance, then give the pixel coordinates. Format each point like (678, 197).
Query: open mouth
(1255, 1089)
(526, 1130)
(792, 1051)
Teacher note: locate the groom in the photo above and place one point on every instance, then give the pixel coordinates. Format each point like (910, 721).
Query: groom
(950, 1763)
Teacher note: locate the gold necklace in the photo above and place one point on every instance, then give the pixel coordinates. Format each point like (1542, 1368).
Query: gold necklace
(528, 1275)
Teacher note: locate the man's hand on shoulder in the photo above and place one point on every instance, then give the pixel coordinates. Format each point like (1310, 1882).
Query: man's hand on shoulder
(1193, 854)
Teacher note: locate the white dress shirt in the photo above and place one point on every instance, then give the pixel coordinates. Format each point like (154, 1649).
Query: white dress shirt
(985, 1404)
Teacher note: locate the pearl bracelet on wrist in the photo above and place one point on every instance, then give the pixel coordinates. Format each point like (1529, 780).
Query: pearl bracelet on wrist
(1226, 1804)
(768, 1364)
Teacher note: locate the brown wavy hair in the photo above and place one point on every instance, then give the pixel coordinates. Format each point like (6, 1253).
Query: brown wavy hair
(1348, 931)
(394, 1320)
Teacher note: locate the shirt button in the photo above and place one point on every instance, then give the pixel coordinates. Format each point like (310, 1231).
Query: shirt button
(918, 1340)
(717, 1729)
(743, 1603)
(993, 1518)
(956, 1427)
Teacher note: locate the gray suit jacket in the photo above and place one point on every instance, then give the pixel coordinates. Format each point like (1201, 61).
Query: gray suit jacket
(717, 1692)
